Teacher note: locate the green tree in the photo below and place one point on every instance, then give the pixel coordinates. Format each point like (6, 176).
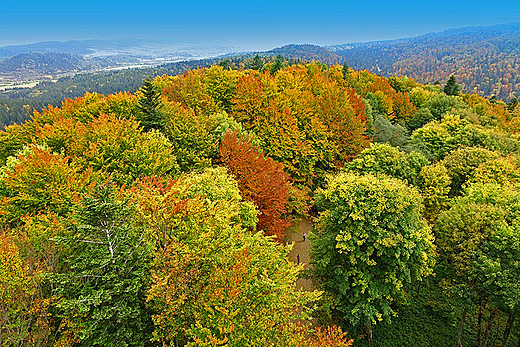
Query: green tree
(435, 187)
(384, 159)
(225, 63)
(370, 242)
(469, 236)
(385, 132)
(278, 64)
(257, 63)
(462, 162)
(496, 270)
(150, 114)
(101, 288)
(345, 70)
(452, 87)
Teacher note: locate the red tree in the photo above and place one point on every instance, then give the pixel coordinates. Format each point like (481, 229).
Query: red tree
(261, 180)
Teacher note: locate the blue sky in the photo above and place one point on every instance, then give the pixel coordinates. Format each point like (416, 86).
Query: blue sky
(260, 24)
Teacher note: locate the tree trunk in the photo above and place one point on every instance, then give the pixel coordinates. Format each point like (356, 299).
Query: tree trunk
(488, 328)
(418, 289)
(479, 321)
(368, 328)
(507, 331)
(461, 326)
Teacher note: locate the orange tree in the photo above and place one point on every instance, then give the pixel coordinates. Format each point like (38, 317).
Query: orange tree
(260, 180)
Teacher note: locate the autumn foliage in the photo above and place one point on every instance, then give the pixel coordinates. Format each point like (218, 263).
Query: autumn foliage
(305, 116)
(261, 180)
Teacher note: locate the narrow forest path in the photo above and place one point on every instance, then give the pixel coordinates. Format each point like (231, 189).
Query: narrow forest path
(295, 233)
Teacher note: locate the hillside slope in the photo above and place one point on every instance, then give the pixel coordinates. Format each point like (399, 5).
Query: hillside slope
(484, 59)
(309, 53)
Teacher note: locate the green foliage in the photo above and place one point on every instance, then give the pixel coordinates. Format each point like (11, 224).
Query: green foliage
(461, 231)
(437, 139)
(345, 70)
(387, 160)
(451, 87)
(462, 162)
(496, 268)
(501, 170)
(429, 318)
(370, 243)
(421, 117)
(385, 132)
(278, 64)
(101, 288)
(441, 104)
(150, 114)
(435, 187)
(257, 63)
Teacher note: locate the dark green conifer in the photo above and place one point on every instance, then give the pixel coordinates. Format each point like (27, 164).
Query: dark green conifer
(278, 64)
(102, 290)
(257, 63)
(345, 70)
(226, 63)
(512, 103)
(452, 87)
(150, 114)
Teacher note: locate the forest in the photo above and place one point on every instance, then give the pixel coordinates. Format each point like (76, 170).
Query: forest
(17, 105)
(484, 59)
(159, 217)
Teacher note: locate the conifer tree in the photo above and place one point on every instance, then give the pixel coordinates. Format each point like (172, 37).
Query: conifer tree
(278, 64)
(257, 63)
(101, 288)
(150, 114)
(345, 70)
(512, 104)
(452, 87)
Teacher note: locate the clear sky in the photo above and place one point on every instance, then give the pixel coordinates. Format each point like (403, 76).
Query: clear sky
(252, 24)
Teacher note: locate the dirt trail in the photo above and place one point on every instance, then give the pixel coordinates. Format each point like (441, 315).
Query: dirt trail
(295, 233)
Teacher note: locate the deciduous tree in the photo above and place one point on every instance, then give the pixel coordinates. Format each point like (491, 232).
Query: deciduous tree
(370, 242)
(261, 180)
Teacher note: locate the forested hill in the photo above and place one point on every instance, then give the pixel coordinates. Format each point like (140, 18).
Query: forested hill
(17, 105)
(43, 63)
(484, 59)
(309, 53)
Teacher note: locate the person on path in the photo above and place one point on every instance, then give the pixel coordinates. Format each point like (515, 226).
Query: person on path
(298, 258)
(304, 236)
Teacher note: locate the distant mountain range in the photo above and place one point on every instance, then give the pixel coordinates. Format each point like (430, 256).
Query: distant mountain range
(309, 52)
(53, 59)
(485, 60)
(36, 63)
(144, 49)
